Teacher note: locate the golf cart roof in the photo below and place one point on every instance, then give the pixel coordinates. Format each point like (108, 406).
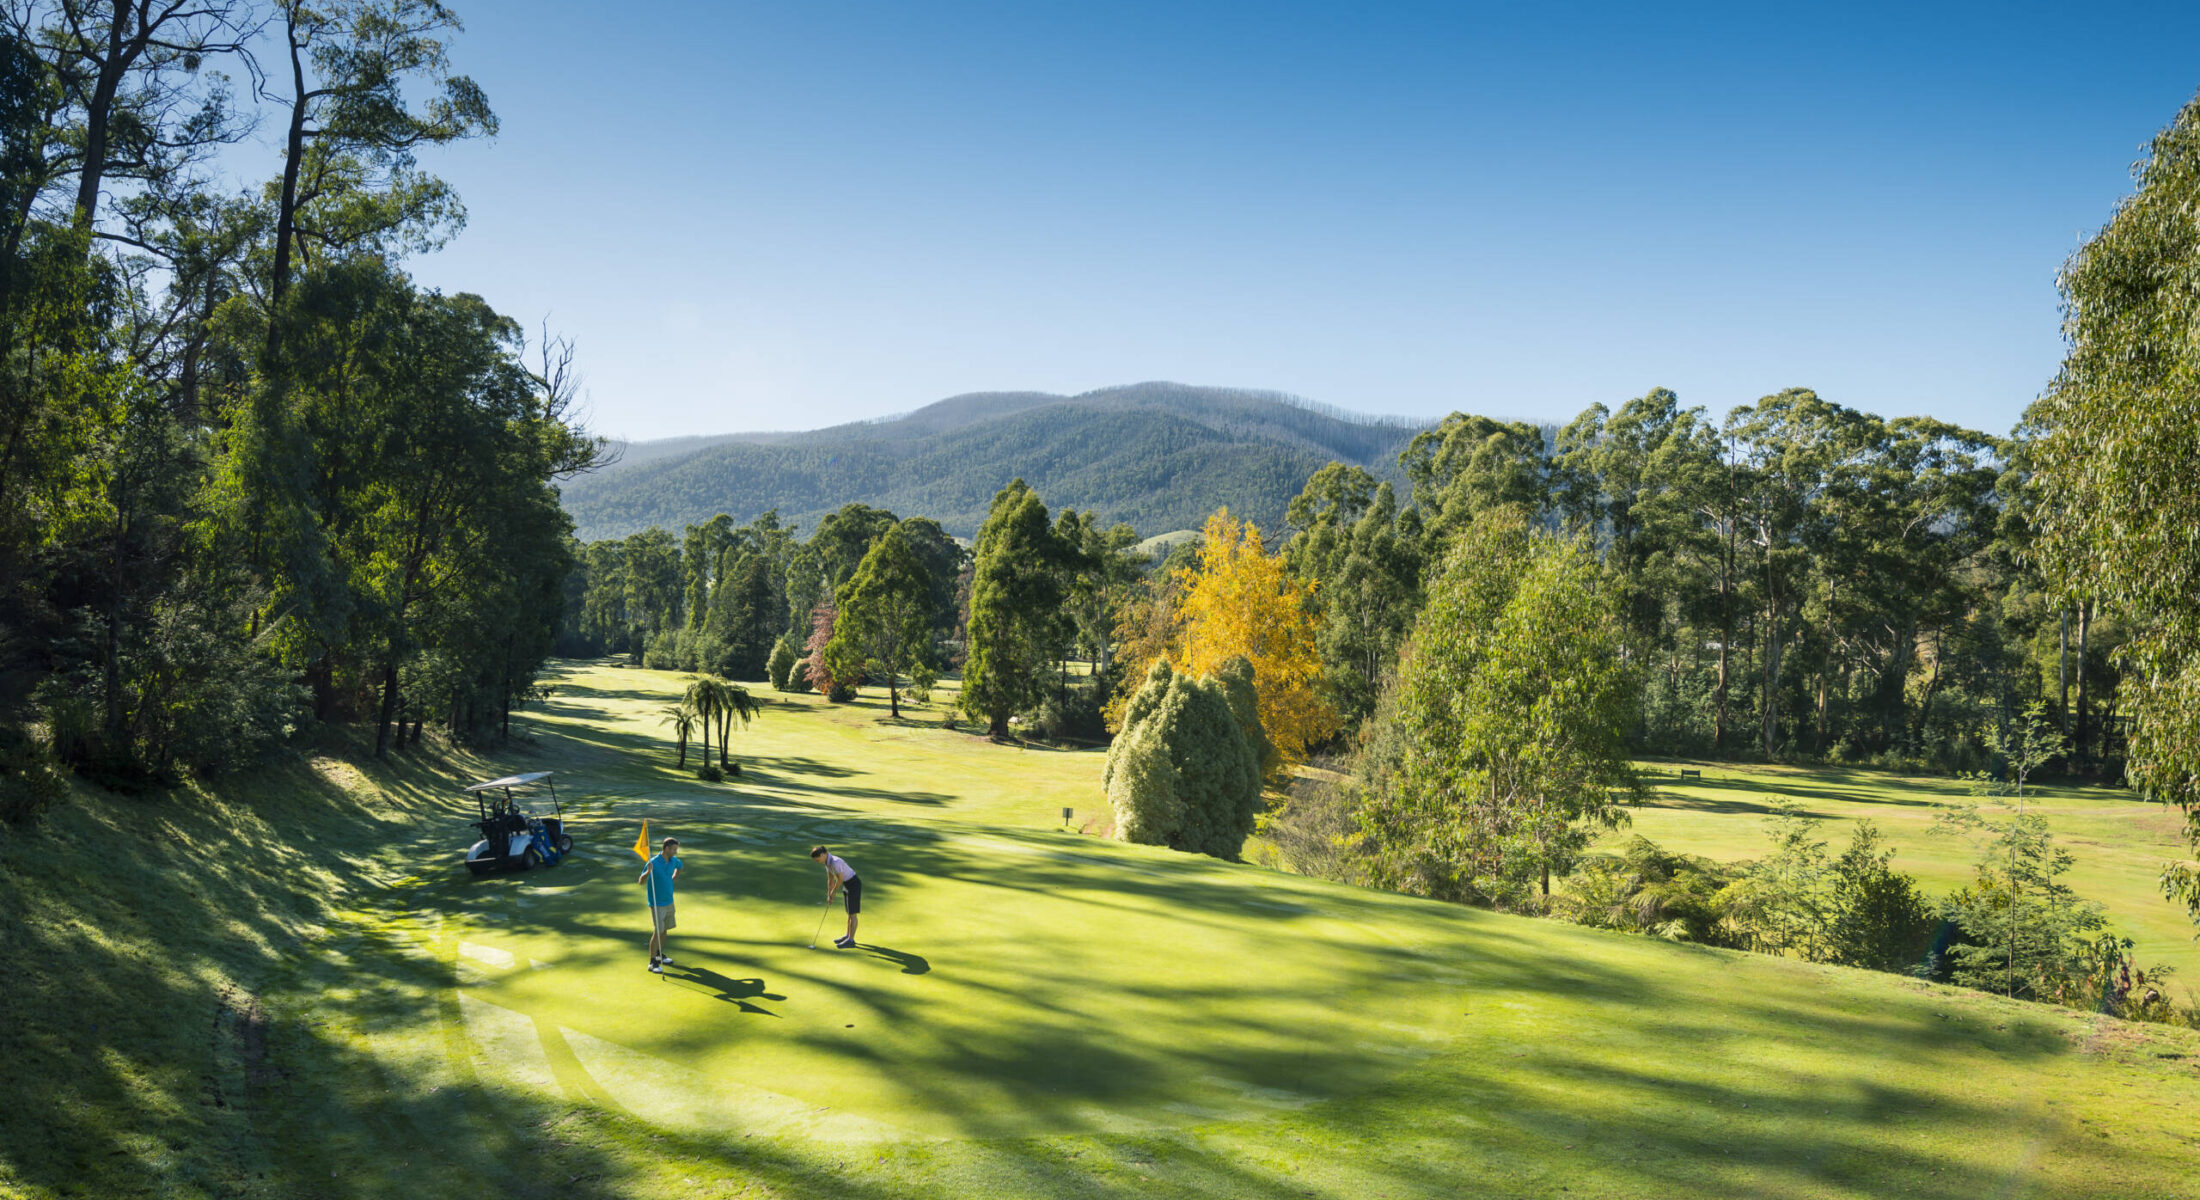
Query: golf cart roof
(510, 781)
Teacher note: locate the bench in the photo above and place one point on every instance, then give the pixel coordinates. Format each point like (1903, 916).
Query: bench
(1688, 774)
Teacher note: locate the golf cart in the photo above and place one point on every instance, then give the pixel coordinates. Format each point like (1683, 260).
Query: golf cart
(510, 838)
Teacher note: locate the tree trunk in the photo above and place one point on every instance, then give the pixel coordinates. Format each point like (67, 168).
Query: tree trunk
(1825, 667)
(388, 712)
(1770, 699)
(1726, 637)
(1932, 688)
(98, 111)
(112, 634)
(2085, 624)
(1726, 643)
(2062, 672)
(286, 209)
(1818, 739)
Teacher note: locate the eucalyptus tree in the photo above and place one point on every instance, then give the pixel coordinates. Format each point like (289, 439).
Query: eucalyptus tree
(943, 561)
(2117, 464)
(700, 550)
(357, 71)
(844, 537)
(1360, 559)
(884, 613)
(1469, 465)
(742, 620)
(1504, 751)
(133, 94)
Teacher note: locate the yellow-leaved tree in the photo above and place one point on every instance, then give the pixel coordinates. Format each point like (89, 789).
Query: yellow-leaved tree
(1240, 600)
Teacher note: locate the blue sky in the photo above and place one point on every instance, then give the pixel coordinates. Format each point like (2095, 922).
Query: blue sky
(769, 216)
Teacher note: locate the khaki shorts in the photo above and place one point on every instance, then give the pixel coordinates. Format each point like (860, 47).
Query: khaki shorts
(660, 918)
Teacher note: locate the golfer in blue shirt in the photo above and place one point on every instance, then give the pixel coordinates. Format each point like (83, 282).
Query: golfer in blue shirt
(656, 879)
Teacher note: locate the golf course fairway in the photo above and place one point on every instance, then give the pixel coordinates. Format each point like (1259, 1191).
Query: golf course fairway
(309, 996)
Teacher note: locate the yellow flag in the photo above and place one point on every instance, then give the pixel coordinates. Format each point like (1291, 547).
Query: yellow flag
(641, 844)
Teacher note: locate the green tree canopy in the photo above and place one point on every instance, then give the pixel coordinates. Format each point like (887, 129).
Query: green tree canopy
(1016, 600)
(2117, 455)
(1507, 746)
(885, 612)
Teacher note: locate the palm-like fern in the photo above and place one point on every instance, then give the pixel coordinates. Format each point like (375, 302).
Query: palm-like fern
(718, 704)
(683, 721)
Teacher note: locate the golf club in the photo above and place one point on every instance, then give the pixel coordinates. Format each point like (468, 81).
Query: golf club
(823, 907)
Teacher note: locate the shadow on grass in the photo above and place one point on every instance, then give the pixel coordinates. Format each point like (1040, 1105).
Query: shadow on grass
(159, 1021)
(134, 1070)
(910, 964)
(719, 987)
(1776, 786)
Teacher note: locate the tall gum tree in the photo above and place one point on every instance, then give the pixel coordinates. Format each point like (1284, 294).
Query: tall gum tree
(2116, 452)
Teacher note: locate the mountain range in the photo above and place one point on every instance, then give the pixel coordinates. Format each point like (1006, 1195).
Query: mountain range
(1160, 456)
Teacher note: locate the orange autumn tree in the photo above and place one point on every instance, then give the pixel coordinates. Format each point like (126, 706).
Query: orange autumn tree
(1239, 600)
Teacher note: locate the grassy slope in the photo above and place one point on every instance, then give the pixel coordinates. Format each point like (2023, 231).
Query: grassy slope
(1035, 1013)
(2119, 842)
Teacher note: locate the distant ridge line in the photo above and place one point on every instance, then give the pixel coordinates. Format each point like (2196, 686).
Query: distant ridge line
(1334, 412)
(1156, 456)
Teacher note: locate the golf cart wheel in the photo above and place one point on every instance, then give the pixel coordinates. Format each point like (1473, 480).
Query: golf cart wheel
(479, 867)
(565, 843)
(530, 860)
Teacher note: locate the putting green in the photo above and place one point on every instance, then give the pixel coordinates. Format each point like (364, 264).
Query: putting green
(1009, 980)
(1005, 983)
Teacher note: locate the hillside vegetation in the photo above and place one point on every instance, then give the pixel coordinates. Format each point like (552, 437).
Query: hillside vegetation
(287, 986)
(1159, 456)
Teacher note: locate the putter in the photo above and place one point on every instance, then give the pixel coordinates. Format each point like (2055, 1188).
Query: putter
(823, 907)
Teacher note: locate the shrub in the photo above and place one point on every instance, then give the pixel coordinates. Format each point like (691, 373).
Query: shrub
(29, 784)
(1646, 889)
(782, 665)
(663, 653)
(841, 692)
(1071, 714)
(2041, 950)
(709, 773)
(947, 719)
(1236, 677)
(1311, 831)
(1181, 774)
(1876, 917)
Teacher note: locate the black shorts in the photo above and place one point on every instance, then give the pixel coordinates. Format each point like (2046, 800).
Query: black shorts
(853, 891)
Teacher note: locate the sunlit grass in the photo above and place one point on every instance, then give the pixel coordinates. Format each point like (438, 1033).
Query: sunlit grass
(288, 987)
(2119, 842)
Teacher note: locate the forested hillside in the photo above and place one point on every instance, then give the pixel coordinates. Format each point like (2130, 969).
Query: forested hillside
(1158, 456)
